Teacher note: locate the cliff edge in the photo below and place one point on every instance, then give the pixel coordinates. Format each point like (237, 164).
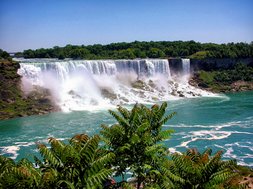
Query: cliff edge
(13, 102)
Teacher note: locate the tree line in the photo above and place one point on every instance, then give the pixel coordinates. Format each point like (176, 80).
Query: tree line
(142, 49)
(133, 144)
(4, 54)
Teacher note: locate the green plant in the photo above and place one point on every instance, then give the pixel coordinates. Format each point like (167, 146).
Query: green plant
(18, 175)
(80, 164)
(135, 140)
(203, 171)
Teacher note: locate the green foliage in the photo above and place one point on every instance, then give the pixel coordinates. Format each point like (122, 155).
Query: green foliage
(221, 80)
(4, 54)
(13, 101)
(200, 55)
(142, 49)
(79, 164)
(195, 170)
(18, 175)
(135, 140)
(206, 77)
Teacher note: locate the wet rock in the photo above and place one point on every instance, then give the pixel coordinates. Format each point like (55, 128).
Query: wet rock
(93, 102)
(180, 94)
(125, 99)
(108, 94)
(151, 84)
(203, 85)
(155, 98)
(74, 94)
(139, 84)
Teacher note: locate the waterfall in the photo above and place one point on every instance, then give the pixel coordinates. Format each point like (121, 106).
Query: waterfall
(141, 67)
(86, 84)
(186, 66)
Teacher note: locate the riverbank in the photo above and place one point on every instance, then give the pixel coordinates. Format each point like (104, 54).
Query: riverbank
(238, 79)
(237, 86)
(13, 102)
(37, 100)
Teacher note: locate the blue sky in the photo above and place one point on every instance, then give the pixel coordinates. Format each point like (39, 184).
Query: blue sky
(34, 24)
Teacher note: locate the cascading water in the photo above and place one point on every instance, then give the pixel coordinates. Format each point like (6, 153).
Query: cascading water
(88, 84)
(185, 68)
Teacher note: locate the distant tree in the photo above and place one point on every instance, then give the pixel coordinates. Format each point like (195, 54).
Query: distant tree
(29, 53)
(19, 54)
(61, 56)
(169, 51)
(126, 54)
(155, 53)
(152, 49)
(4, 54)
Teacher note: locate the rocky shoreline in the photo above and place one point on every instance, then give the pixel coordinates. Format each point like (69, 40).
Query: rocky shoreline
(220, 87)
(13, 102)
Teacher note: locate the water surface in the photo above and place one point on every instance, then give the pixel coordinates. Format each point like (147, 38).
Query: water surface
(221, 123)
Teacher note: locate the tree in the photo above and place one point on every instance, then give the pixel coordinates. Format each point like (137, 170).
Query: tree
(80, 164)
(4, 54)
(195, 170)
(18, 175)
(155, 53)
(126, 54)
(61, 56)
(135, 140)
(152, 49)
(29, 53)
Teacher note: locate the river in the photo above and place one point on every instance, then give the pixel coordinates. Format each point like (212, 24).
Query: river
(222, 123)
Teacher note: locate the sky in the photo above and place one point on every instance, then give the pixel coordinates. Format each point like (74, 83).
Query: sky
(31, 24)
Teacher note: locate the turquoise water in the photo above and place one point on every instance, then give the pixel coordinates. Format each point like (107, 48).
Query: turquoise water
(224, 123)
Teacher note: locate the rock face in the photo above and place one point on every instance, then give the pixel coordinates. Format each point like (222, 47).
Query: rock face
(175, 65)
(217, 87)
(207, 64)
(217, 63)
(13, 103)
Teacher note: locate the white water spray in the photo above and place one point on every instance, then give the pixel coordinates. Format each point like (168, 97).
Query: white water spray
(185, 68)
(89, 84)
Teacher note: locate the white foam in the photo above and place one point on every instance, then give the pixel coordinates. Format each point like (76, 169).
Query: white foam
(10, 150)
(25, 144)
(205, 135)
(173, 150)
(230, 152)
(80, 85)
(215, 127)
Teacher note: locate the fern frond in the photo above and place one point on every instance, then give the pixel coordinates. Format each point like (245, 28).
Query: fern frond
(89, 148)
(212, 164)
(124, 112)
(102, 161)
(49, 156)
(67, 183)
(98, 178)
(122, 121)
(220, 177)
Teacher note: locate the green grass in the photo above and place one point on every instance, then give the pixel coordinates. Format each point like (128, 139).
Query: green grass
(207, 77)
(199, 55)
